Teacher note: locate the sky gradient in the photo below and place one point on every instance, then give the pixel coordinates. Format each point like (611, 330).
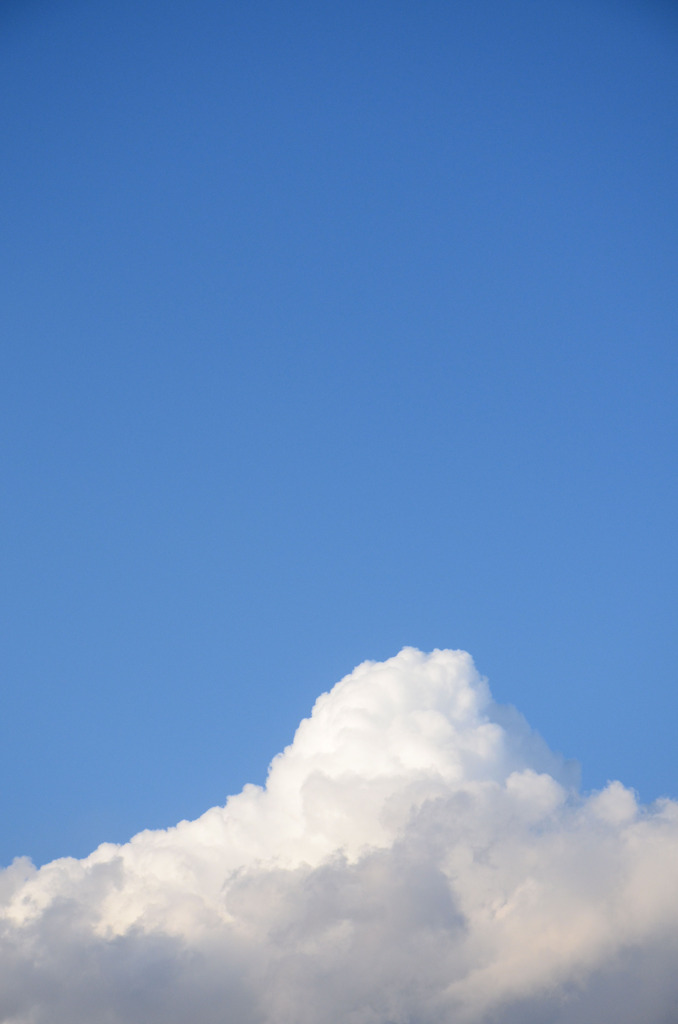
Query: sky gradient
(329, 329)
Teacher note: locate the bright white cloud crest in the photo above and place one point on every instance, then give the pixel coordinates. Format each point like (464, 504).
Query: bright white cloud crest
(416, 857)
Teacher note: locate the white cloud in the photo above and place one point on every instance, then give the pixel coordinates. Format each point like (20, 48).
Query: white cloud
(416, 857)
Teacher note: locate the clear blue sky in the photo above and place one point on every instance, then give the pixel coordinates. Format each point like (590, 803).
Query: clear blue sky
(329, 328)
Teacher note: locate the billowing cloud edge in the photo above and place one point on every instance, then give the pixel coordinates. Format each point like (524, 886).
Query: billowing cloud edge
(417, 855)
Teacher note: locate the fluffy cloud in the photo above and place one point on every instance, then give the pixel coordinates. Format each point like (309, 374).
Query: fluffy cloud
(416, 857)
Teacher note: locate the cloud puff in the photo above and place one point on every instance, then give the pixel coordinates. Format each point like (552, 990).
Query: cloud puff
(417, 856)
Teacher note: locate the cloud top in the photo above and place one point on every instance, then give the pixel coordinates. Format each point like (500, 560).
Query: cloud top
(417, 856)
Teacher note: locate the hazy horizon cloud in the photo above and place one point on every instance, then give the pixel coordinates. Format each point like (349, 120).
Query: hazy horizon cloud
(417, 856)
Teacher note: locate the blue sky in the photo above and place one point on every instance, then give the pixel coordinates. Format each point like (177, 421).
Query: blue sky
(328, 329)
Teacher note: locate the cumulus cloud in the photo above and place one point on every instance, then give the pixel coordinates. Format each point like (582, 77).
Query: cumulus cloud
(417, 856)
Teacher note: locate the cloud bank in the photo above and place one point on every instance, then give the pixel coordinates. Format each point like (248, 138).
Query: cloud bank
(417, 856)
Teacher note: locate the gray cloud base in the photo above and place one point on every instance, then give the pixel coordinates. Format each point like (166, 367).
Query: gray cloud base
(416, 857)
